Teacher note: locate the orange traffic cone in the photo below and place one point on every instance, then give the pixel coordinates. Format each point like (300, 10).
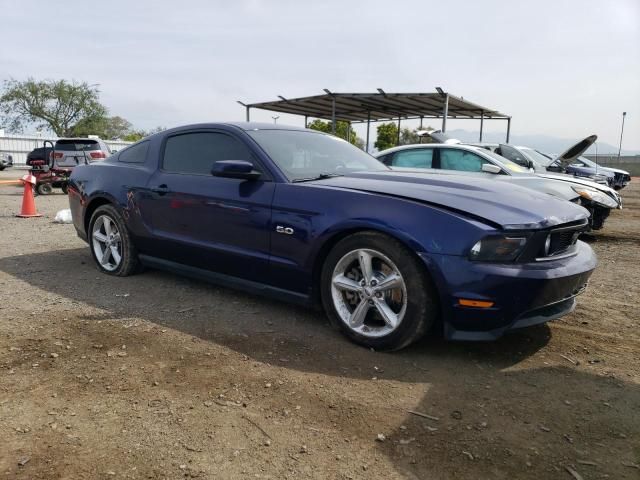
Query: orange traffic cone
(28, 202)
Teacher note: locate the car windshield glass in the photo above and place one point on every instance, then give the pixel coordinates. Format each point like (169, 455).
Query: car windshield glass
(305, 155)
(508, 164)
(537, 157)
(587, 162)
(76, 145)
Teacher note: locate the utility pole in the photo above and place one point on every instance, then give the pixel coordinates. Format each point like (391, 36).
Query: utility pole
(624, 114)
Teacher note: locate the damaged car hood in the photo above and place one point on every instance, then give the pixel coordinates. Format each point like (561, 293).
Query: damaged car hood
(510, 206)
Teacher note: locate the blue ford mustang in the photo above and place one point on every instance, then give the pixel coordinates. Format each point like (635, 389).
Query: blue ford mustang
(307, 217)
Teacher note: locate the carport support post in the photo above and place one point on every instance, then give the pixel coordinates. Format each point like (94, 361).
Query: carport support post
(421, 118)
(349, 132)
(398, 139)
(508, 128)
(248, 116)
(333, 115)
(366, 146)
(481, 123)
(306, 119)
(445, 113)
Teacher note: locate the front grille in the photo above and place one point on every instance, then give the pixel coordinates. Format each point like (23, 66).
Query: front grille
(620, 177)
(560, 241)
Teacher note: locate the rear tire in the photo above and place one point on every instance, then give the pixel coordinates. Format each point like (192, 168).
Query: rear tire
(65, 188)
(377, 293)
(110, 243)
(44, 188)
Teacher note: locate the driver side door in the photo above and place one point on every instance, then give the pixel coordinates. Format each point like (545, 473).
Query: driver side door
(213, 223)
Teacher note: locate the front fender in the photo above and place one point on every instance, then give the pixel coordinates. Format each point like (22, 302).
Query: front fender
(318, 216)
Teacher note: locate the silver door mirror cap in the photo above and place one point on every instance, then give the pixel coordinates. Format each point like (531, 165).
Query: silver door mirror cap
(491, 168)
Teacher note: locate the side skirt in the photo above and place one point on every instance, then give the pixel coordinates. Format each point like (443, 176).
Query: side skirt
(226, 280)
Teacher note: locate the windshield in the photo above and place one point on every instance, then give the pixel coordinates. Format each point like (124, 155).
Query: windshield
(505, 162)
(304, 155)
(587, 162)
(77, 145)
(537, 157)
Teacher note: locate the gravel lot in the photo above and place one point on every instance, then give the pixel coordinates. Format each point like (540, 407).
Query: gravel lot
(157, 376)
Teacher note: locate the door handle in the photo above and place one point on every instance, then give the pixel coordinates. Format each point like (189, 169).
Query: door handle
(161, 189)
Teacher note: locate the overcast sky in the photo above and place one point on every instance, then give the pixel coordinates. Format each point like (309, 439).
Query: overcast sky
(562, 68)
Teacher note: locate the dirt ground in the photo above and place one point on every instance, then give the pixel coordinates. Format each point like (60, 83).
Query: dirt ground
(158, 376)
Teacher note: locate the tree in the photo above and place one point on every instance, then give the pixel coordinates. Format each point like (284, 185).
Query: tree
(107, 128)
(135, 135)
(55, 104)
(387, 136)
(341, 130)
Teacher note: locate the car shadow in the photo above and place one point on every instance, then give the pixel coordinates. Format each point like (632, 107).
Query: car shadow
(476, 418)
(249, 324)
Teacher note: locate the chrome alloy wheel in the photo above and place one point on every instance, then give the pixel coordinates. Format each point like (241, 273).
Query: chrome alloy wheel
(106, 243)
(369, 293)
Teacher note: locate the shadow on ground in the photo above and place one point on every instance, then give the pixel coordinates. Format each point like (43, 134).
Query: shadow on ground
(494, 415)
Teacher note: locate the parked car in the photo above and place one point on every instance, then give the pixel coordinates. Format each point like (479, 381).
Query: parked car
(52, 164)
(6, 161)
(621, 178)
(69, 152)
(555, 164)
(478, 162)
(307, 217)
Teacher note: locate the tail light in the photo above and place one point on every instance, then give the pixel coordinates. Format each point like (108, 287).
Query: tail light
(97, 154)
(56, 154)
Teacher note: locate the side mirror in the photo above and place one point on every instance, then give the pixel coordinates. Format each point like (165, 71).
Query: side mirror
(491, 168)
(235, 169)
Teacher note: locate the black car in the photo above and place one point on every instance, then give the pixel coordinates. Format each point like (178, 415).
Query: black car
(6, 161)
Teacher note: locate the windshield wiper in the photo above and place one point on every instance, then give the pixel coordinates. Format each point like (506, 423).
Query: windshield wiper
(320, 176)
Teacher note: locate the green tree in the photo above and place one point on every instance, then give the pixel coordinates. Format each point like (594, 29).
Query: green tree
(57, 105)
(135, 135)
(387, 136)
(410, 136)
(107, 128)
(342, 128)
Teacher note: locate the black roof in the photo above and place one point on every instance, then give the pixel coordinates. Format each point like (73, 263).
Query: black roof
(360, 107)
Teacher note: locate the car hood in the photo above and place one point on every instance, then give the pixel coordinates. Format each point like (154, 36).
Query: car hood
(613, 170)
(568, 157)
(578, 180)
(509, 206)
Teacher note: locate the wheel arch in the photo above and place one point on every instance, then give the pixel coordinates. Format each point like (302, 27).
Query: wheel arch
(92, 206)
(337, 236)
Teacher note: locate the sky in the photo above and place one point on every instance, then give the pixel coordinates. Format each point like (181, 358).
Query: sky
(561, 68)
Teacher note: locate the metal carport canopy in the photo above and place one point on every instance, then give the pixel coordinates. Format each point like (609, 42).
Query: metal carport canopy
(382, 106)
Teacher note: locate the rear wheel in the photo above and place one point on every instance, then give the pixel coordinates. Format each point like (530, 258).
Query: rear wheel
(65, 188)
(44, 188)
(110, 243)
(376, 292)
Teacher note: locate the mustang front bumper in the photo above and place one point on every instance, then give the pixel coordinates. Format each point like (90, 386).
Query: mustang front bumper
(522, 294)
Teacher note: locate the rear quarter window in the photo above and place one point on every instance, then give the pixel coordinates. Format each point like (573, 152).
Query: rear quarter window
(135, 153)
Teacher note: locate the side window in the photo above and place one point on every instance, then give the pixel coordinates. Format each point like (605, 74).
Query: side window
(454, 159)
(196, 153)
(416, 158)
(134, 154)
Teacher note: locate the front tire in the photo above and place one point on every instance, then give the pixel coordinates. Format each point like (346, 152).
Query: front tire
(110, 243)
(376, 292)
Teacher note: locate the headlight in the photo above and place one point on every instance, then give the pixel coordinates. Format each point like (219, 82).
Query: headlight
(498, 248)
(596, 196)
